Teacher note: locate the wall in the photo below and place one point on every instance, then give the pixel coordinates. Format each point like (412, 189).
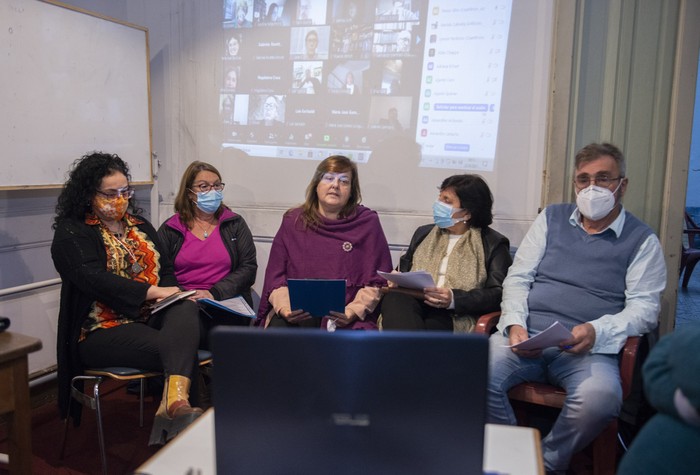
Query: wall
(29, 284)
(580, 111)
(25, 237)
(186, 68)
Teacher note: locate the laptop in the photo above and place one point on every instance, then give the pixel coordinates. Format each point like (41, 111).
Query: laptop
(295, 401)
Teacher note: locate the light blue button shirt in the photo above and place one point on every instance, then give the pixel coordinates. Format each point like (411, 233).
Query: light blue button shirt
(645, 280)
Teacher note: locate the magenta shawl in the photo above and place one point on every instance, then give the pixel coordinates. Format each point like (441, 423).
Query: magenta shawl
(352, 248)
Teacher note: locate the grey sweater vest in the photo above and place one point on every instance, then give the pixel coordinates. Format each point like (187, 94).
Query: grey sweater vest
(581, 277)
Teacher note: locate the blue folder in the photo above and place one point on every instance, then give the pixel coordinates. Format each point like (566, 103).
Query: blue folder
(317, 296)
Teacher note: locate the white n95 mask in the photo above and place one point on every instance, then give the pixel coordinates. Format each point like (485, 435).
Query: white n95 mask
(595, 202)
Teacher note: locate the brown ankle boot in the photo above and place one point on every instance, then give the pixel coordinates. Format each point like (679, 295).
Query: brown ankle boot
(174, 412)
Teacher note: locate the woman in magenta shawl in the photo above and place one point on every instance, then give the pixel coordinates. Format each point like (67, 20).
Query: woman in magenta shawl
(330, 236)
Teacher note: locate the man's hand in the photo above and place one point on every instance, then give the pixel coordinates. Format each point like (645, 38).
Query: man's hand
(517, 334)
(582, 341)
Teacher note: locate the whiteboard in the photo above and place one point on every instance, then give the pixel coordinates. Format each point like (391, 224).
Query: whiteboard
(71, 82)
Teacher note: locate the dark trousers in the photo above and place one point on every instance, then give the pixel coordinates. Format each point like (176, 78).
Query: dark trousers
(212, 318)
(167, 342)
(405, 312)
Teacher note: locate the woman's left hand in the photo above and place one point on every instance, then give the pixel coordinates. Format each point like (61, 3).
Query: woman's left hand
(341, 319)
(437, 297)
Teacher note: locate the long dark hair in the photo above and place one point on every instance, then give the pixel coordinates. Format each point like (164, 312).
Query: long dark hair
(84, 179)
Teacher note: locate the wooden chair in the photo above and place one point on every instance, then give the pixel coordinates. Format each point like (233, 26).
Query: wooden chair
(690, 255)
(604, 446)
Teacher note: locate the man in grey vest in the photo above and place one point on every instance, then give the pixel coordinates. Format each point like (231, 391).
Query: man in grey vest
(599, 271)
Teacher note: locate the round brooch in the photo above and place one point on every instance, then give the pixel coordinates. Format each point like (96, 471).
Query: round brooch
(347, 246)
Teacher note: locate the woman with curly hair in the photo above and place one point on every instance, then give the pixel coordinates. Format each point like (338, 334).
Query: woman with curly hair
(112, 271)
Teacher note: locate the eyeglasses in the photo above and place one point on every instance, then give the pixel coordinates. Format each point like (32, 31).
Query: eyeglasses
(329, 178)
(127, 193)
(582, 181)
(204, 187)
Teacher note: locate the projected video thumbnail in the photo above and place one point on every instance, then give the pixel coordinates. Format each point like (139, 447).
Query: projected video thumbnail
(310, 78)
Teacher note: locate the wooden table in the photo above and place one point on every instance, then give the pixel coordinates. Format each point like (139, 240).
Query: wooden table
(14, 398)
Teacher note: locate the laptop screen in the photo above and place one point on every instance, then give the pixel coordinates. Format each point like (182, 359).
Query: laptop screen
(307, 402)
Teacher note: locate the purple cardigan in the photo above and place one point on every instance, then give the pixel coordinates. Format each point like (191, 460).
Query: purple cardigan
(352, 248)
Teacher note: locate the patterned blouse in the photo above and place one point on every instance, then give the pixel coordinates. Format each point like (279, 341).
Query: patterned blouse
(132, 256)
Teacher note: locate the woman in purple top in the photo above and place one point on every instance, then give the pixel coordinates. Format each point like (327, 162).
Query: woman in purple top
(330, 236)
(211, 246)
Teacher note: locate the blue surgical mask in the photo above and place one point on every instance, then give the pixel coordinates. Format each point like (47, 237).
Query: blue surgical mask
(442, 215)
(210, 201)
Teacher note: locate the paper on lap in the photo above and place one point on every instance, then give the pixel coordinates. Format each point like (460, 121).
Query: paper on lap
(551, 336)
(411, 280)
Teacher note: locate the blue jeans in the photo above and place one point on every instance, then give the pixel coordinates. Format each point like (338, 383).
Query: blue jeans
(592, 384)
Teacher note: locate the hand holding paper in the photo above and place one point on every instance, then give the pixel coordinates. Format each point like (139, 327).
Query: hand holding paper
(551, 336)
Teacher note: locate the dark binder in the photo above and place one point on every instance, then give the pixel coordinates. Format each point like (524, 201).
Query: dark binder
(317, 296)
(233, 311)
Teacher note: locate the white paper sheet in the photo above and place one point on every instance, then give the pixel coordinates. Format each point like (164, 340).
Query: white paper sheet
(551, 336)
(410, 280)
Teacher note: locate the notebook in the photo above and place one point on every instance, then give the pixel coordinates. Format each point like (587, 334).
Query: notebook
(293, 401)
(171, 299)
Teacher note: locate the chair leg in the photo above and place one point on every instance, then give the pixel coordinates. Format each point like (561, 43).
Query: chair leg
(605, 451)
(100, 431)
(65, 430)
(93, 402)
(690, 266)
(141, 392)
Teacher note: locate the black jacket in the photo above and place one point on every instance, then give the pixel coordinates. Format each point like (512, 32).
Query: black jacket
(476, 301)
(80, 258)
